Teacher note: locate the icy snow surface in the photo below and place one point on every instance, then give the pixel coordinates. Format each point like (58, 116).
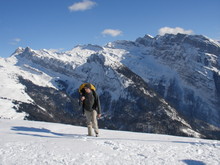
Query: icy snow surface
(28, 142)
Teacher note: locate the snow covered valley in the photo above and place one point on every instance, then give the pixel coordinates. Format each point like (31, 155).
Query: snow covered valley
(40, 143)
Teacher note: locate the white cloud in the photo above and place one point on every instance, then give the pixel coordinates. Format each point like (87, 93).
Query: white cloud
(176, 30)
(81, 6)
(112, 32)
(15, 41)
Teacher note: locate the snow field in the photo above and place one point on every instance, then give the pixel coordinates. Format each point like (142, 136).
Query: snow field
(28, 142)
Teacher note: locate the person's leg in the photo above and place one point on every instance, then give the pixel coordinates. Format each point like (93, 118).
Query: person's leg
(95, 122)
(89, 122)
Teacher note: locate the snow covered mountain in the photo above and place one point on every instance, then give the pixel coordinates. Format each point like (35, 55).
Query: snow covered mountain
(31, 142)
(168, 84)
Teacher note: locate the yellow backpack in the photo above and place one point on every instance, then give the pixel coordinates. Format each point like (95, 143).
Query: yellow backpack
(83, 85)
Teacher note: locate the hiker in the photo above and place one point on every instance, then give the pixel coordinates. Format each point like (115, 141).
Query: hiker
(91, 107)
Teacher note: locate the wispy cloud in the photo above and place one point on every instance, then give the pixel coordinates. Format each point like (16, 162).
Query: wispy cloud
(15, 41)
(81, 6)
(112, 32)
(175, 30)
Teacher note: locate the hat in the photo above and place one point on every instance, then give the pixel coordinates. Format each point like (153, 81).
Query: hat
(87, 86)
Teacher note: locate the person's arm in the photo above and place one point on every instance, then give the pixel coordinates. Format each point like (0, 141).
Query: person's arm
(82, 98)
(98, 106)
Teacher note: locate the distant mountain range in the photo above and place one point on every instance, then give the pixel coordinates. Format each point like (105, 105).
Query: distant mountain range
(165, 84)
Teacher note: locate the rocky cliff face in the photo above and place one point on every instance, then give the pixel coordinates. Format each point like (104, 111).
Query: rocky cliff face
(167, 84)
(183, 69)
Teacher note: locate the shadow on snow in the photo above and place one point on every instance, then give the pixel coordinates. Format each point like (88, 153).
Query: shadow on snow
(78, 136)
(193, 162)
(43, 130)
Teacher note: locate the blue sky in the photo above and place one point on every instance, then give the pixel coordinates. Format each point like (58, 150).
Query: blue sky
(63, 24)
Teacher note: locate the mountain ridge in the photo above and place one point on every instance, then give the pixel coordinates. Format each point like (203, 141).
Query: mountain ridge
(143, 74)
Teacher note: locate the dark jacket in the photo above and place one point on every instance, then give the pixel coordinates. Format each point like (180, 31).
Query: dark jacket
(96, 106)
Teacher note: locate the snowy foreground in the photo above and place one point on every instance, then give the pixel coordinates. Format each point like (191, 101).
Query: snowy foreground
(40, 143)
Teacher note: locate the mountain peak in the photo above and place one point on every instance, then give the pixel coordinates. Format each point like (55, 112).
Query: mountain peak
(146, 40)
(148, 36)
(19, 50)
(27, 50)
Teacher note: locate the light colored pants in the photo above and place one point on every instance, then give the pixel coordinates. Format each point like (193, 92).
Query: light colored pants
(92, 122)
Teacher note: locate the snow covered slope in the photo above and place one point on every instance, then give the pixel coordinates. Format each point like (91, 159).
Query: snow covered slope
(28, 142)
(168, 84)
(184, 69)
(50, 78)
